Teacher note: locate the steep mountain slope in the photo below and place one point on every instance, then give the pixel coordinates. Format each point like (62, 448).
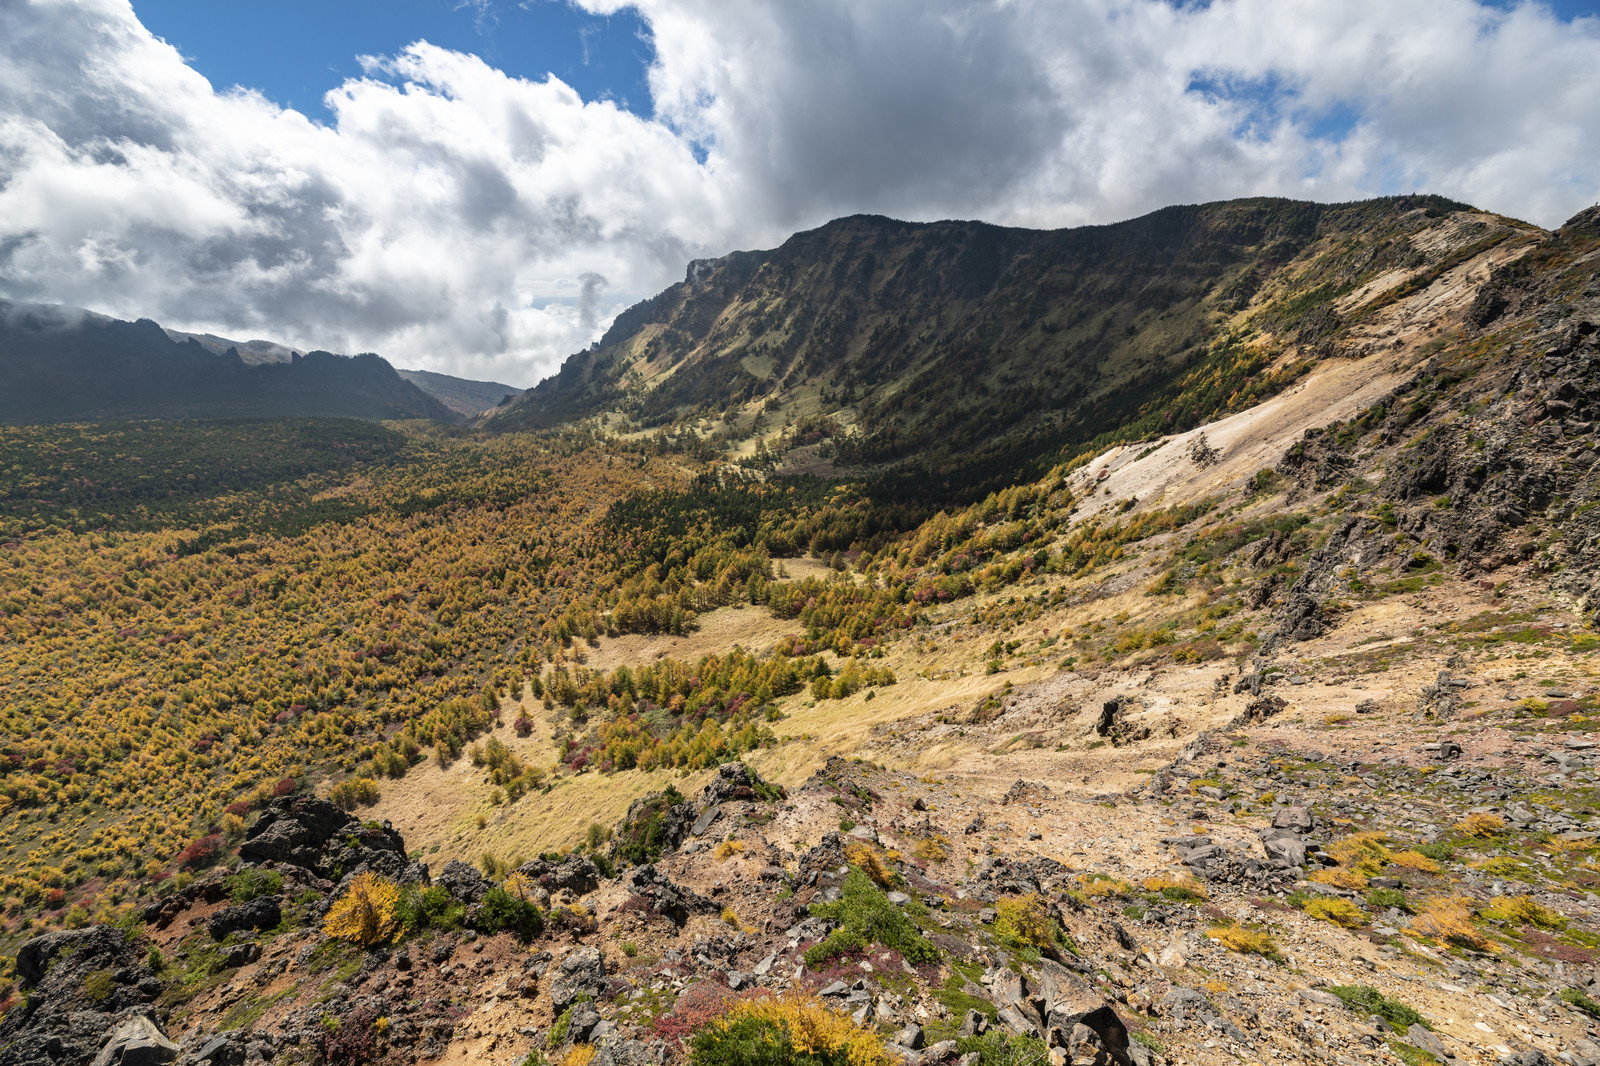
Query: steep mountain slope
(61, 364)
(963, 344)
(465, 397)
(253, 352)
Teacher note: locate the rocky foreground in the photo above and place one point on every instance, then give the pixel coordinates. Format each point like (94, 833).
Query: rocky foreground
(1392, 899)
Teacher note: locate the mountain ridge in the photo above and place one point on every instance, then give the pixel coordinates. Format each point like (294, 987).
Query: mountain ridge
(62, 364)
(949, 343)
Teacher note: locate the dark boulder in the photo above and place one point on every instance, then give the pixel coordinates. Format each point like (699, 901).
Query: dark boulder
(581, 973)
(735, 781)
(656, 824)
(315, 835)
(576, 874)
(462, 881)
(263, 913)
(667, 899)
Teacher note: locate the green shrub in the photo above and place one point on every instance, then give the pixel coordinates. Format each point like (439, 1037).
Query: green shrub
(429, 908)
(1581, 1001)
(1384, 898)
(252, 883)
(765, 1034)
(642, 840)
(1438, 852)
(503, 912)
(1004, 1049)
(558, 1029)
(97, 986)
(865, 917)
(1368, 1000)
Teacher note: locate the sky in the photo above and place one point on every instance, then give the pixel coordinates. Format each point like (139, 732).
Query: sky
(479, 186)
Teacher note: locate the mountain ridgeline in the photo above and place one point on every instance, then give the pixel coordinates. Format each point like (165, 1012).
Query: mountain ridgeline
(954, 345)
(61, 365)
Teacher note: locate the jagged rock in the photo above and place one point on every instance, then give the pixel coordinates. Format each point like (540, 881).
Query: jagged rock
(1116, 722)
(264, 912)
(976, 1023)
(1289, 851)
(241, 955)
(734, 781)
(667, 899)
(1058, 987)
(462, 881)
(1526, 1057)
(81, 984)
(224, 1049)
(910, 1037)
(652, 827)
(1299, 819)
(1027, 792)
(1013, 1019)
(576, 874)
(581, 973)
(138, 1041)
(828, 854)
(1260, 709)
(582, 1022)
(317, 836)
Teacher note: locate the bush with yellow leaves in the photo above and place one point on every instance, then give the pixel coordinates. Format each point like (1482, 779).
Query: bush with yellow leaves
(1449, 918)
(727, 849)
(1341, 877)
(1481, 825)
(1415, 860)
(1180, 889)
(1362, 853)
(1524, 910)
(1340, 912)
(1246, 941)
(870, 863)
(1026, 921)
(791, 1028)
(1098, 887)
(933, 849)
(366, 914)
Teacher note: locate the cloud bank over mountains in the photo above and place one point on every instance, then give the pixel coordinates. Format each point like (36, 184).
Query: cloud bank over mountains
(458, 219)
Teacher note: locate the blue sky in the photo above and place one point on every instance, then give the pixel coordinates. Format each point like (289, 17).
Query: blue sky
(463, 214)
(294, 51)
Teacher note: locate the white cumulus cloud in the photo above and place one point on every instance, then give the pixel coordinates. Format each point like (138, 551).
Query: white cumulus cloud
(459, 219)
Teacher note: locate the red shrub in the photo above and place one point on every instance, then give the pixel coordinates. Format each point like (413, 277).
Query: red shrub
(700, 1004)
(523, 725)
(203, 852)
(354, 1039)
(284, 787)
(238, 810)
